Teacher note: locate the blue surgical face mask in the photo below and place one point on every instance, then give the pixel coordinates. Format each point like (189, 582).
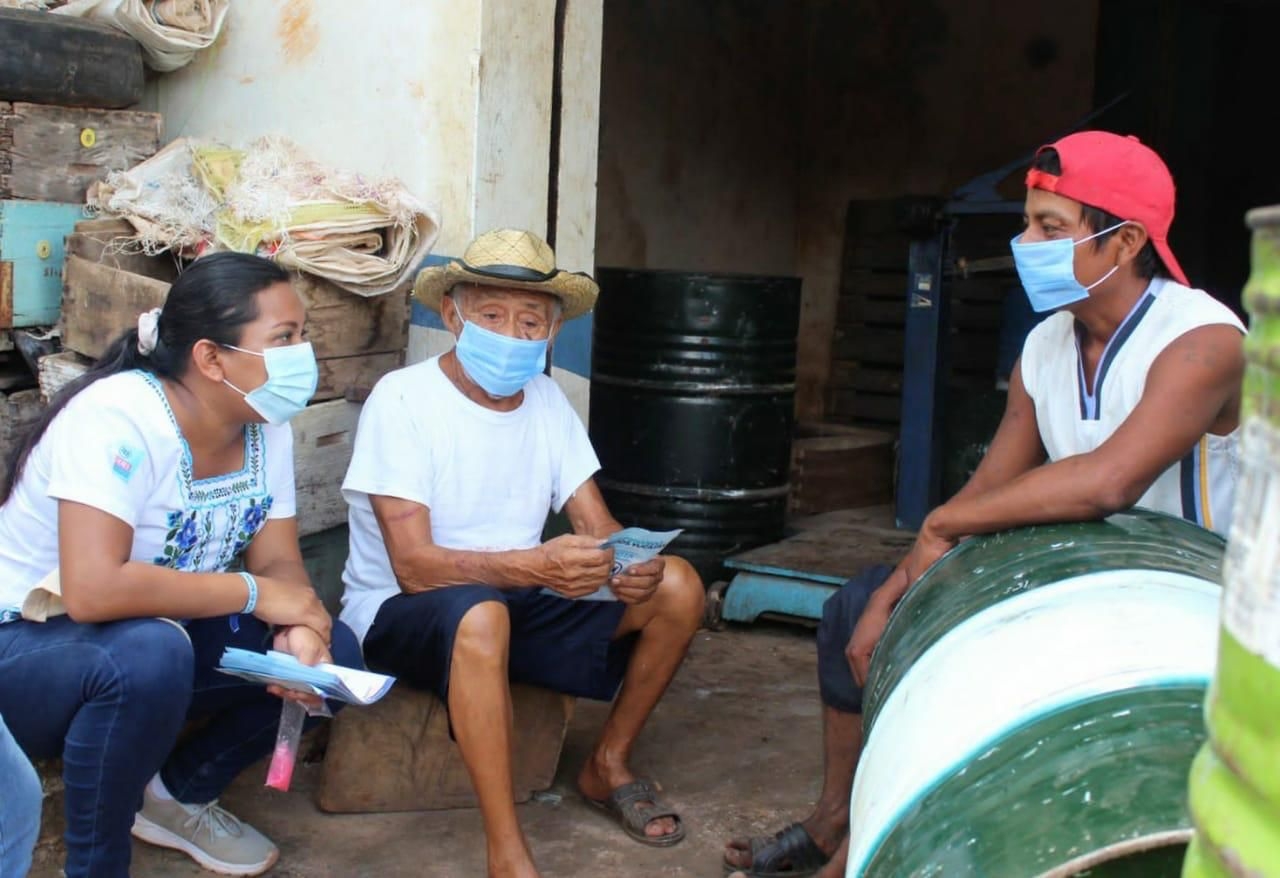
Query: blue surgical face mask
(292, 376)
(501, 365)
(1048, 272)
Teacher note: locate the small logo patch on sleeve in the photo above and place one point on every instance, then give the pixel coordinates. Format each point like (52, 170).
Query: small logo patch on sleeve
(125, 462)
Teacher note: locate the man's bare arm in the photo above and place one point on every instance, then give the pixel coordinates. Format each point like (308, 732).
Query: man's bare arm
(567, 564)
(1192, 388)
(588, 513)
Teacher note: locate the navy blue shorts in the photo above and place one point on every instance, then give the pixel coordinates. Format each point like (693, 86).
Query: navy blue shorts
(558, 644)
(840, 615)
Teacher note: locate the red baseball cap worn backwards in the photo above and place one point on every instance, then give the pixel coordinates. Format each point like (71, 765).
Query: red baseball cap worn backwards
(1119, 175)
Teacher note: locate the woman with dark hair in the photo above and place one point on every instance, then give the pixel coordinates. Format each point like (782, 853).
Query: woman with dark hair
(146, 485)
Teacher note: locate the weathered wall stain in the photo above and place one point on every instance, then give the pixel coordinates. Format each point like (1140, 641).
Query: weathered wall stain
(298, 33)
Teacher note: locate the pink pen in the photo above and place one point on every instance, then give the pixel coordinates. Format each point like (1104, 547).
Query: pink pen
(280, 773)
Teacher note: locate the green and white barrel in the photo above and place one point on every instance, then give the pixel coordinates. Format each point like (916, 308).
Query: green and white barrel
(1235, 782)
(1035, 703)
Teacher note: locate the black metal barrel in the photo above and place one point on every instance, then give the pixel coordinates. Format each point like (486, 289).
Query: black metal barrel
(692, 400)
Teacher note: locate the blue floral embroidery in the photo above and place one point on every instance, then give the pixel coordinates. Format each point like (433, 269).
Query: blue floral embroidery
(183, 537)
(252, 521)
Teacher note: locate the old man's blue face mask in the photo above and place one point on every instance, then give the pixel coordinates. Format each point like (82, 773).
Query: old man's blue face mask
(1048, 272)
(501, 365)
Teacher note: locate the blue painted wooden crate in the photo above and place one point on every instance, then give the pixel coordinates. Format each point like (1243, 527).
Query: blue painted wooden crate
(31, 255)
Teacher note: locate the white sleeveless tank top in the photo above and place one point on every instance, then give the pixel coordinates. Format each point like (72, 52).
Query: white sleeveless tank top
(1201, 486)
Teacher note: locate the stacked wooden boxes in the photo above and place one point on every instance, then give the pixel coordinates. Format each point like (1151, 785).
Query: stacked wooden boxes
(49, 156)
(51, 150)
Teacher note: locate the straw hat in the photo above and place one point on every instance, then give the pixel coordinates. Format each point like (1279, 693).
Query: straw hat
(512, 259)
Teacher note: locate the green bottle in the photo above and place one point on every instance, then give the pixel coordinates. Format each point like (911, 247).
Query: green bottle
(1235, 779)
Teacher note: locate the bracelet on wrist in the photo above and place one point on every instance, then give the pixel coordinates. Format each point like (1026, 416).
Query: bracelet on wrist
(251, 604)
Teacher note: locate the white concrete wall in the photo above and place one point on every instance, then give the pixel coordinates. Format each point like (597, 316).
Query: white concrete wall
(453, 97)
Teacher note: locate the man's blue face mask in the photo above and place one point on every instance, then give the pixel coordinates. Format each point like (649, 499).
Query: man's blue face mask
(501, 365)
(1048, 273)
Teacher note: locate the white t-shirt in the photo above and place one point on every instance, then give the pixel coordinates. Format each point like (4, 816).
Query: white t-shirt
(488, 478)
(1201, 486)
(117, 447)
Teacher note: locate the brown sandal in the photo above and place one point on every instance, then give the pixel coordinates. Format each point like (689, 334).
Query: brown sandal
(625, 806)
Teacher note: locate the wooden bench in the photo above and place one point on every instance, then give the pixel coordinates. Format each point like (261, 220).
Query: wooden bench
(396, 755)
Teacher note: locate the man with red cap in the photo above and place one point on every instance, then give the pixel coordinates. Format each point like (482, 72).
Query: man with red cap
(1128, 395)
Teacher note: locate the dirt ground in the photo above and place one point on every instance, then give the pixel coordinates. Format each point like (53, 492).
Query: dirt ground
(736, 746)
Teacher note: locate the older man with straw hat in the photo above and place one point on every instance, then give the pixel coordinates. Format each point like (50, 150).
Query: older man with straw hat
(457, 461)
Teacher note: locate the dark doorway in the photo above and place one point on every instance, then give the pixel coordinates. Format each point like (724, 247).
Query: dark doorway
(1198, 75)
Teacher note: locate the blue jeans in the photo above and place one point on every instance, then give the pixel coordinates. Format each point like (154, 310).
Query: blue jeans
(111, 698)
(20, 799)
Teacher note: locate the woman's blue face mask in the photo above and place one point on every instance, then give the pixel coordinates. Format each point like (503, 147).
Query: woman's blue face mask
(292, 377)
(501, 365)
(1048, 273)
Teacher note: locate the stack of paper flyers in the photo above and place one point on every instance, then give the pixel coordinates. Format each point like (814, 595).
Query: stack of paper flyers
(281, 669)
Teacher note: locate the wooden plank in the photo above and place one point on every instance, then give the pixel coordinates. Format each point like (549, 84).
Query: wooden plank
(354, 377)
(984, 314)
(58, 370)
(831, 552)
(867, 344)
(851, 311)
(875, 284)
(980, 289)
(806, 430)
(323, 436)
(866, 407)
(858, 376)
(50, 153)
(58, 59)
(100, 302)
(110, 242)
(6, 294)
(341, 324)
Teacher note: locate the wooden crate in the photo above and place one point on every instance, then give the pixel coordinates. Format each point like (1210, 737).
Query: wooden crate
(52, 153)
(840, 467)
(396, 755)
(31, 260)
(323, 437)
(56, 371)
(357, 340)
(865, 380)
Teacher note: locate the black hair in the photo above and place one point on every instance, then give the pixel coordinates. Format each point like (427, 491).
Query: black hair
(1095, 219)
(212, 299)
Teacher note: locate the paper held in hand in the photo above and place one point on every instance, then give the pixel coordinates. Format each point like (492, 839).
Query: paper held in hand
(632, 545)
(282, 669)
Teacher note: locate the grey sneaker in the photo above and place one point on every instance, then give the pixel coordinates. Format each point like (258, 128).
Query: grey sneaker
(210, 835)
